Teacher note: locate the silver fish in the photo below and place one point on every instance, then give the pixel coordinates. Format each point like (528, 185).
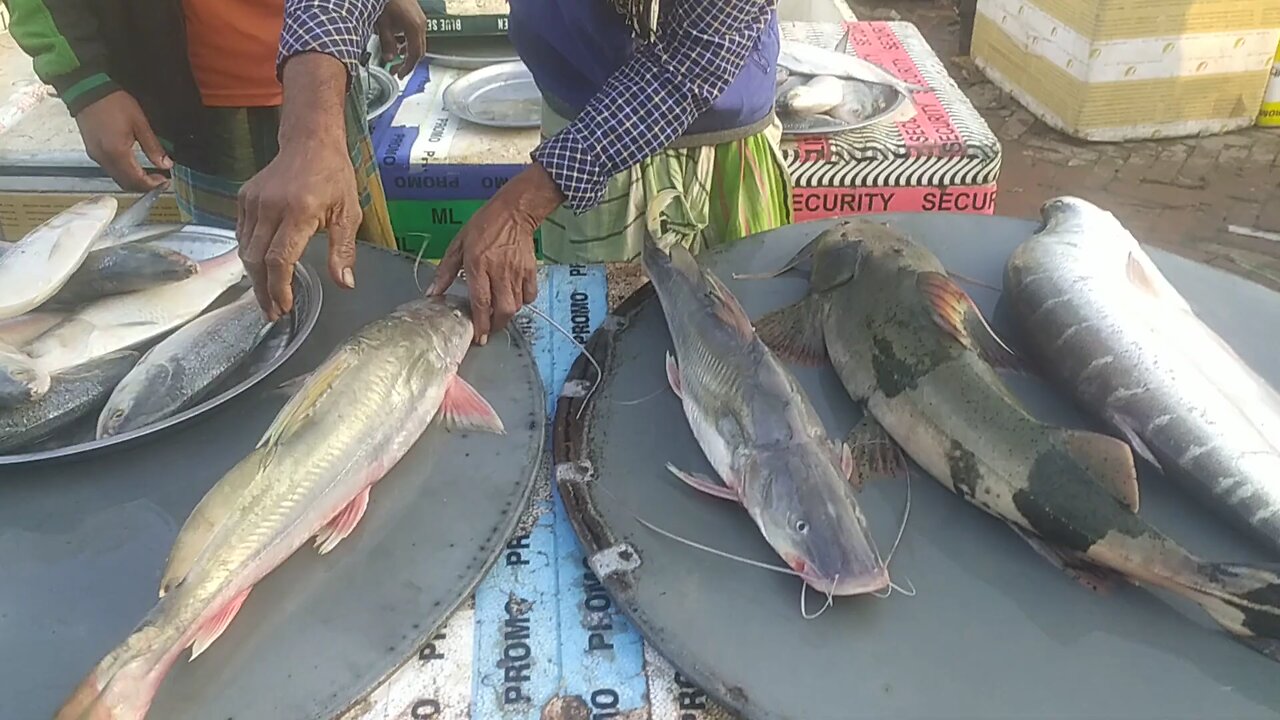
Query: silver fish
(815, 96)
(18, 331)
(20, 380)
(125, 321)
(74, 393)
(1112, 330)
(179, 371)
(308, 478)
(805, 59)
(760, 433)
(121, 269)
(39, 264)
(125, 225)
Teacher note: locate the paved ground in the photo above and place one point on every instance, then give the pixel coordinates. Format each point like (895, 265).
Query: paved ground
(1176, 194)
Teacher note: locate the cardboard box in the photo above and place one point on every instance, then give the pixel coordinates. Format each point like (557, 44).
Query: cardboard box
(938, 156)
(23, 211)
(465, 17)
(1113, 70)
(437, 169)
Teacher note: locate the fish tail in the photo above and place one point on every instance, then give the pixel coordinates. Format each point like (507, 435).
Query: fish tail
(123, 684)
(1243, 599)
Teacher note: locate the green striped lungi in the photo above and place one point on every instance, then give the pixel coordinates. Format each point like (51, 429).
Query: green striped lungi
(246, 140)
(724, 192)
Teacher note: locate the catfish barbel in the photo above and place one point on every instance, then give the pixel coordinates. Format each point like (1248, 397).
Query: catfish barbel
(758, 430)
(309, 477)
(911, 346)
(1110, 328)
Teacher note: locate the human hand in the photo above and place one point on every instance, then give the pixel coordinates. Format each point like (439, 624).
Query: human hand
(110, 127)
(496, 248)
(402, 17)
(309, 186)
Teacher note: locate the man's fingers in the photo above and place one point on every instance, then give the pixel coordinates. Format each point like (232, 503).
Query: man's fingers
(342, 252)
(415, 39)
(253, 254)
(447, 270)
(530, 287)
(123, 167)
(387, 44)
(481, 303)
(505, 304)
(150, 145)
(287, 244)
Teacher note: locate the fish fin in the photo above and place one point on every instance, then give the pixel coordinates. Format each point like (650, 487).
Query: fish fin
(213, 628)
(1149, 281)
(955, 312)
(342, 524)
(1123, 427)
(873, 453)
(673, 375)
(842, 45)
(1075, 565)
(1109, 461)
(702, 483)
(303, 402)
(292, 385)
(1242, 598)
(463, 408)
(795, 332)
(203, 521)
(727, 308)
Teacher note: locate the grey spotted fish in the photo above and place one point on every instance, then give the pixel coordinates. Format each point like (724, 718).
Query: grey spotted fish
(1098, 313)
(180, 370)
(309, 478)
(73, 393)
(913, 348)
(21, 381)
(758, 430)
(122, 269)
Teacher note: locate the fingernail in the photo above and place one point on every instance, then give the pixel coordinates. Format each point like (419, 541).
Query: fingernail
(484, 339)
(348, 278)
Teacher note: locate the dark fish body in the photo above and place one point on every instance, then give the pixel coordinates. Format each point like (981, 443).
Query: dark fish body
(74, 393)
(760, 433)
(122, 269)
(21, 381)
(911, 346)
(181, 370)
(1114, 333)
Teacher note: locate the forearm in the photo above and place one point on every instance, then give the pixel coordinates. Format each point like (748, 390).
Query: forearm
(654, 98)
(61, 37)
(315, 86)
(338, 28)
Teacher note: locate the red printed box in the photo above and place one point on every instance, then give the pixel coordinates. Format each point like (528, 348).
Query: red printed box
(942, 158)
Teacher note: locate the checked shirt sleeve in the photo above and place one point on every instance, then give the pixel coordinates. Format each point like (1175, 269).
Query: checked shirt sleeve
(340, 28)
(654, 98)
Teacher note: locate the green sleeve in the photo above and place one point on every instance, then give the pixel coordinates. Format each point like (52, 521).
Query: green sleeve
(61, 37)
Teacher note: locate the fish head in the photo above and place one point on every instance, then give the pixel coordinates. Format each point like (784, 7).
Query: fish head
(21, 381)
(807, 512)
(136, 402)
(160, 263)
(1068, 213)
(853, 247)
(449, 317)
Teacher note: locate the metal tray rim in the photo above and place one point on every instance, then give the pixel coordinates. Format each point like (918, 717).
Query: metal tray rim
(305, 324)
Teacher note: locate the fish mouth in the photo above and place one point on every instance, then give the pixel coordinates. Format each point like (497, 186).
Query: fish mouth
(855, 584)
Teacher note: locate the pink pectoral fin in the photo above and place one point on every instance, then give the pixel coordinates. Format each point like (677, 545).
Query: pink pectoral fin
(337, 529)
(213, 628)
(702, 483)
(465, 409)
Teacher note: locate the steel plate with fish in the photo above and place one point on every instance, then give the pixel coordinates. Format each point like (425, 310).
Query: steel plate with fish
(502, 96)
(381, 89)
(276, 345)
(853, 104)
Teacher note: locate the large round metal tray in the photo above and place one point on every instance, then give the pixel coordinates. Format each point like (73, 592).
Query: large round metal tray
(994, 631)
(200, 242)
(502, 95)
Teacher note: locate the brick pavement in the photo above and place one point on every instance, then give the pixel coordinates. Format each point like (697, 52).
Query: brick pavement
(1176, 194)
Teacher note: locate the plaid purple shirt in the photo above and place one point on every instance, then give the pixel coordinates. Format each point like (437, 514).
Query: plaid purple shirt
(650, 101)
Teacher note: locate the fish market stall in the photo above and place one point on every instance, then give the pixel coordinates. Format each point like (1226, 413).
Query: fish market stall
(992, 628)
(84, 538)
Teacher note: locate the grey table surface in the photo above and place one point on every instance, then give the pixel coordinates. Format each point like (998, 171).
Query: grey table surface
(994, 631)
(83, 543)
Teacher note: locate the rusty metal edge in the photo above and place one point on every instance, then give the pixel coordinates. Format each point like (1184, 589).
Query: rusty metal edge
(571, 430)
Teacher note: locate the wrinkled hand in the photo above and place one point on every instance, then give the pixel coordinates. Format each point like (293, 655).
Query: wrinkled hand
(308, 187)
(495, 247)
(402, 17)
(110, 127)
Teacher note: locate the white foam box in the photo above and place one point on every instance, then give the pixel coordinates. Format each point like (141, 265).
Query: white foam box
(937, 155)
(1116, 70)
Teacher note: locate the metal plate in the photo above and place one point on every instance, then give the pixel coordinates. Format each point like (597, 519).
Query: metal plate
(993, 632)
(382, 88)
(83, 542)
(503, 96)
(200, 242)
(793, 124)
(470, 53)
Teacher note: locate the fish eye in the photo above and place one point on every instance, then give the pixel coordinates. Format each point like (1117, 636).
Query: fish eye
(802, 527)
(117, 414)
